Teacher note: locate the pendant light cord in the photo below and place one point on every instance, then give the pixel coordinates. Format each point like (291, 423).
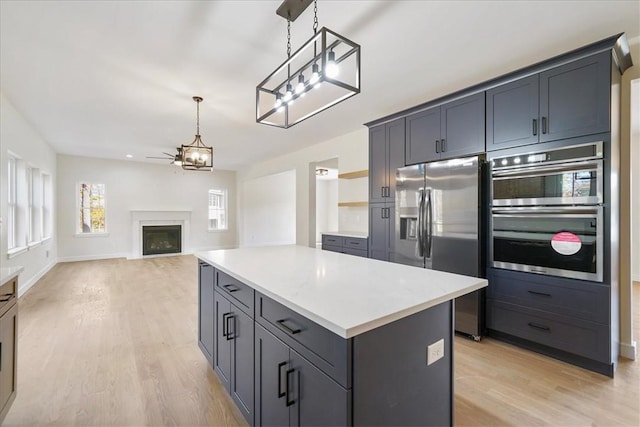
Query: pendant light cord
(197, 117)
(315, 16)
(288, 38)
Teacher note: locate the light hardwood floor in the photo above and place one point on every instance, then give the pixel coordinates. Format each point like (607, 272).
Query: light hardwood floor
(113, 342)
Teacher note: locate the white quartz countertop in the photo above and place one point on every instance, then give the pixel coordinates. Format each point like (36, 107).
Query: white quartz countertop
(359, 234)
(8, 273)
(346, 294)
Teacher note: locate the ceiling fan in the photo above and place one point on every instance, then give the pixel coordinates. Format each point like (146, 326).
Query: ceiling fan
(174, 159)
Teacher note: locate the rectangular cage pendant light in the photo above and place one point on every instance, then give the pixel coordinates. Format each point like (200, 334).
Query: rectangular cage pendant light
(322, 73)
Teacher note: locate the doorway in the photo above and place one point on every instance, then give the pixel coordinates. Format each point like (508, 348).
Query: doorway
(326, 211)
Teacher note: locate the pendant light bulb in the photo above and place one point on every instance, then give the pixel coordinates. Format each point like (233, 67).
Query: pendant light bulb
(288, 94)
(315, 75)
(300, 86)
(332, 69)
(278, 102)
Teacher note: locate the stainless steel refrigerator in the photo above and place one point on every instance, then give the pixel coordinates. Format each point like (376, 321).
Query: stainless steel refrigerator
(438, 219)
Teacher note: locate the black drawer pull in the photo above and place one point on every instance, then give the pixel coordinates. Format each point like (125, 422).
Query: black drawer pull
(224, 324)
(280, 392)
(539, 293)
(544, 124)
(437, 146)
(354, 243)
(286, 328)
(289, 402)
(535, 127)
(231, 288)
(231, 335)
(443, 145)
(8, 297)
(382, 192)
(541, 327)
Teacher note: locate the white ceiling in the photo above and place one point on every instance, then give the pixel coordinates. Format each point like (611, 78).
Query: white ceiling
(110, 78)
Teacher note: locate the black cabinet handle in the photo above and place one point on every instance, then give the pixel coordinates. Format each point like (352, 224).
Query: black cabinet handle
(231, 288)
(231, 336)
(443, 145)
(437, 145)
(535, 127)
(544, 124)
(381, 191)
(387, 191)
(539, 293)
(284, 327)
(280, 392)
(8, 297)
(289, 402)
(224, 324)
(541, 327)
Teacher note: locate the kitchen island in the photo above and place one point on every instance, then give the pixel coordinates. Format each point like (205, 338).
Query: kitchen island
(301, 336)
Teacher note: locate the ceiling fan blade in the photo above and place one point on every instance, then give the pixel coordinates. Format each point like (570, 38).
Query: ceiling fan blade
(161, 158)
(168, 154)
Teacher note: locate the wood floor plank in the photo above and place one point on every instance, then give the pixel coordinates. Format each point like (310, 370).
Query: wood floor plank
(113, 343)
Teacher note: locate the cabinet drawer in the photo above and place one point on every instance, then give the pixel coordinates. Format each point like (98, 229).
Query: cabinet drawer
(567, 297)
(356, 252)
(328, 239)
(331, 248)
(575, 336)
(8, 295)
(355, 243)
(326, 350)
(237, 292)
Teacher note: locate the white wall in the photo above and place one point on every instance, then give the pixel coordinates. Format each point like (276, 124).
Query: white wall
(326, 206)
(19, 137)
(138, 186)
(352, 151)
(269, 210)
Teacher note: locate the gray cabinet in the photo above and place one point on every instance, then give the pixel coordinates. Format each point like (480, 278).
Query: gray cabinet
(8, 360)
(567, 101)
(233, 355)
(446, 131)
(564, 318)
(575, 98)
(290, 390)
(386, 154)
(381, 231)
(205, 309)
(347, 245)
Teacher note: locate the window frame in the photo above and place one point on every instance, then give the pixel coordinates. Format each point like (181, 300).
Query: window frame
(224, 194)
(77, 227)
(46, 206)
(12, 203)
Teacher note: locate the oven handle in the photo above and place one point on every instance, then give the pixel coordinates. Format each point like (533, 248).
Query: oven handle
(532, 171)
(537, 212)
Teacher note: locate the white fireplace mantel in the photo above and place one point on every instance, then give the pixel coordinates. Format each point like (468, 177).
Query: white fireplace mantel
(140, 218)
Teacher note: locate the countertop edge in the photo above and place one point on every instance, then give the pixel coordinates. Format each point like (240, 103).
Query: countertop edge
(8, 273)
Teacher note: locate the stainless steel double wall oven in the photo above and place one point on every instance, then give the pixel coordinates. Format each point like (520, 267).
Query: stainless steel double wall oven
(547, 211)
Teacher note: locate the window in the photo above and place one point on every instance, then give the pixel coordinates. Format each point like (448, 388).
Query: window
(91, 208)
(34, 200)
(46, 206)
(217, 210)
(12, 204)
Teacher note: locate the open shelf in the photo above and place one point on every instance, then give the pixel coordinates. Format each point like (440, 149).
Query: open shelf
(354, 175)
(352, 204)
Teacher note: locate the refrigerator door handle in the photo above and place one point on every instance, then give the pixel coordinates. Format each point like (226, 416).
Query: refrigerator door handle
(420, 245)
(429, 224)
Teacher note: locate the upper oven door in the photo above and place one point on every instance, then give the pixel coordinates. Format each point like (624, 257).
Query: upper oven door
(574, 183)
(564, 242)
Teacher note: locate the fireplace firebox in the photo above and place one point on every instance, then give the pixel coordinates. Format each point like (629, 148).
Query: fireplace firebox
(161, 239)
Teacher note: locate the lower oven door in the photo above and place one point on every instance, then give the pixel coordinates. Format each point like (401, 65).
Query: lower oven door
(565, 241)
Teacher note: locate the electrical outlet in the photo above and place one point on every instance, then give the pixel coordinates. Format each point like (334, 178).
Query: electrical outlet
(435, 352)
(47, 254)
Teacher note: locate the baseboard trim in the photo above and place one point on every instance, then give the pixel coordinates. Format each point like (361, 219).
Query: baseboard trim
(91, 257)
(628, 350)
(25, 286)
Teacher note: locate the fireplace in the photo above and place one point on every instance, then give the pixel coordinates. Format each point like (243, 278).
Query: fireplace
(161, 239)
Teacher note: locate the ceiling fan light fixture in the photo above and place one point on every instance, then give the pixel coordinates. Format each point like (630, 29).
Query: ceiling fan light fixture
(337, 57)
(196, 156)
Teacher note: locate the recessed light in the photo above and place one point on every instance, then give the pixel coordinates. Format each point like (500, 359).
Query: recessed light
(129, 156)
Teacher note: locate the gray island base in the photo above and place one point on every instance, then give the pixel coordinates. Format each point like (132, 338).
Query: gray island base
(300, 336)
